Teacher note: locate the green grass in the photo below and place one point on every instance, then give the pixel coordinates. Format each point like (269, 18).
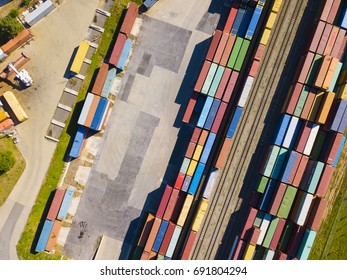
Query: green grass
(9, 179)
(57, 163)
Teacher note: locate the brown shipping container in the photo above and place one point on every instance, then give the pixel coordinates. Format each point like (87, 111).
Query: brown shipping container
(17, 41)
(144, 256)
(254, 68)
(146, 230)
(190, 108)
(254, 236)
(293, 98)
(214, 44)
(280, 256)
(52, 240)
(295, 169)
(333, 11)
(203, 137)
(92, 110)
(196, 134)
(167, 238)
(342, 49)
(220, 49)
(164, 201)
(178, 206)
(230, 88)
(316, 213)
(338, 43)
(300, 171)
(325, 107)
(260, 52)
(333, 148)
(326, 33)
(100, 79)
(223, 153)
(302, 137)
(277, 235)
(325, 180)
(277, 199)
(317, 36)
(252, 213)
(190, 150)
(307, 107)
(188, 246)
(323, 70)
(227, 51)
(171, 205)
(306, 67)
(315, 106)
(202, 76)
(152, 255)
(240, 248)
(55, 205)
(129, 19)
(331, 41)
(117, 49)
(326, 10)
(153, 234)
(223, 83)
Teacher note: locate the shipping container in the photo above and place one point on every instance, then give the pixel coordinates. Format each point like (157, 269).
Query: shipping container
(192, 167)
(316, 213)
(292, 98)
(264, 227)
(242, 55)
(333, 147)
(290, 167)
(209, 78)
(223, 83)
(88, 110)
(125, 54)
(280, 256)
(196, 179)
(339, 151)
(287, 202)
(246, 231)
(238, 20)
(245, 22)
(306, 67)
(235, 52)
(164, 201)
(311, 139)
(184, 166)
(276, 6)
(254, 68)
(188, 247)
(326, 10)
(197, 152)
(260, 52)
(190, 108)
(315, 106)
(53, 237)
(6, 124)
(99, 114)
(78, 141)
(286, 234)
(259, 218)
(343, 20)
(129, 19)
(324, 39)
(220, 49)
(173, 242)
(308, 105)
(202, 76)
(65, 205)
(270, 232)
(311, 176)
(171, 204)
(267, 195)
(227, 51)
(317, 36)
(55, 205)
(300, 212)
(15, 106)
(335, 77)
(44, 235)
(152, 255)
(216, 80)
(282, 155)
(167, 238)
(219, 117)
(106, 90)
(254, 235)
(313, 70)
(190, 150)
(230, 87)
(301, 101)
(239, 250)
(211, 182)
(292, 132)
(203, 137)
(300, 171)
(338, 44)
(324, 180)
(208, 147)
(277, 234)
(254, 22)
(333, 11)
(265, 37)
(250, 249)
(79, 57)
(17, 41)
(223, 153)
(262, 184)
(186, 183)
(306, 244)
(160, 236)
(323, 70)
(331, 40)
(266, 170)
(343, 124)
(245, 92)
(231, 17)
(212, 114)
(117, 49)
(149, 3)
(200, 215)
(330, 73)
(214, 44)
(146, 230)
(196, 134)
(178, 206)
(153, 234)
(295, 240)
(285, 119)
(234, 122)
(144, 256)
(100, 79)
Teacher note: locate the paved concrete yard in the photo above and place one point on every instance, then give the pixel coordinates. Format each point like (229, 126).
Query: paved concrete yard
(142, 131)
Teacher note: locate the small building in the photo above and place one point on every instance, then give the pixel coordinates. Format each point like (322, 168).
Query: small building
(39, 13)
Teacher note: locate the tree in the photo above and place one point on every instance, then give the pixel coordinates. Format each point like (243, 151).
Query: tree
(25, 3)
(7, 161)
(14, 13)
(9, 28)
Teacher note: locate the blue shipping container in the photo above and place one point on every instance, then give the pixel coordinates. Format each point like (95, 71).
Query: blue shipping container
(289, 166)
(196, 178)
(205, 111)
(78, 141)
(279, 163)
(149, 3)
(339, 152)
(344, 18)
(160, 236)
(124, 55)
(282, 129)
(245, 22)
(343, 124)
(65, 205)
(234, 122)
(336, 120)
(254, 22)
(296, 132)
(186, 183)
(199, 103)
(267, 195)
(212, 114)
(99, 114)
(237, 21)
(306, 244)
(106, 89)
(44, 235)
(208, 147)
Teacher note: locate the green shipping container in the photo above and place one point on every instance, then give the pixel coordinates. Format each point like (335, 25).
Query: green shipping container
(335, 77)
(312, 73)
(270, 162)
(184, 166)
(314, 180)
(287, 202)
(279, 162)
(287, 232)
(270, 232)
(242, 54)
(209, 78)
(262, 184)
(301, 103)
(160, 257)
(259, 253)
(235, 52)
(216, 81)
(258, 219)
(318, 144)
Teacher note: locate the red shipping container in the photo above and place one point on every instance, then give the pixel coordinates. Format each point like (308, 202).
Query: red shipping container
(227, 51)
(326, 10)
(333, 11)
(317, 36)
(203, 137)
(342, 49)
(231, 18)
(190, 108)
(295, 240)
(295, 169)
(164, 201)
(302, 138)
(55, 205)
(230, 88)
(167, 238)
(331, 41)
(202, 76)
(219, 117)
(153, 234)
(190, 150)
(280, 256)
(260, 52)
(306, 67)
(326, 33)
(223, 153)
(196, 134)
(254, 68)
(53, 237)
(316, 213)
(179, 181)
(220, 49)
(178, 206)
(188, 246)
(144, 256)
(171, 205)
(223, 83)
(338, 43)
(214, 44)
(277, 235)
(301, 170)
(252, 213)
(146, 231)
(117, 49)
(240, 248)
(333, 148)
(277, 199)
(129, 19)
(255, 199)
(307, 107)
(254, 235)
(325, 180)
(100, 79)
(293, 98)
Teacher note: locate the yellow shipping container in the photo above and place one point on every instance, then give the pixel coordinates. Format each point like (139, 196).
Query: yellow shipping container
(185, 209)
(271, 20)
(79, 57)
(3, 116)
(197, 153)
(265, 38)
(249, 252)
(327, 102)
(192, 167)
(342, 94)
(15, 106)
(200, 215)
(277, 5)
(315, 106)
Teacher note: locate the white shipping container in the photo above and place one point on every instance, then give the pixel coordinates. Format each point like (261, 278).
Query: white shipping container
(303, 208)
(290, 132)
(269, 255)
(85, 110)
(311, 139)
(245, 92)
(173, 242)
(210, 183)
(263, 228)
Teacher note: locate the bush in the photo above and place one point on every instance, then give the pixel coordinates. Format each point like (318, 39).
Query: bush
(7, 161)
(25, 3)
(14, 13)
(9, 28)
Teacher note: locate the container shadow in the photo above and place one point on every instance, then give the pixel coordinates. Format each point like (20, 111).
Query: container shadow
(68, 74)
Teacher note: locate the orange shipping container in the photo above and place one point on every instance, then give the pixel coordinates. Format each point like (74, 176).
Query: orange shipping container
(144, 256)
(330, 73)
(327, 102)
(223, 153)
(323, 71)
(331, 41)
(92, 110)
(100, 79)
(315, 106)
(52, 240)
(17, 41)
(152, 234)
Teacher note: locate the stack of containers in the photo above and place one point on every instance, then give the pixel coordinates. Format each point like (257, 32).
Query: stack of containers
(288, 204)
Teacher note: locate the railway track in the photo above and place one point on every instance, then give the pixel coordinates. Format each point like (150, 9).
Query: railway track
(225, 200)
